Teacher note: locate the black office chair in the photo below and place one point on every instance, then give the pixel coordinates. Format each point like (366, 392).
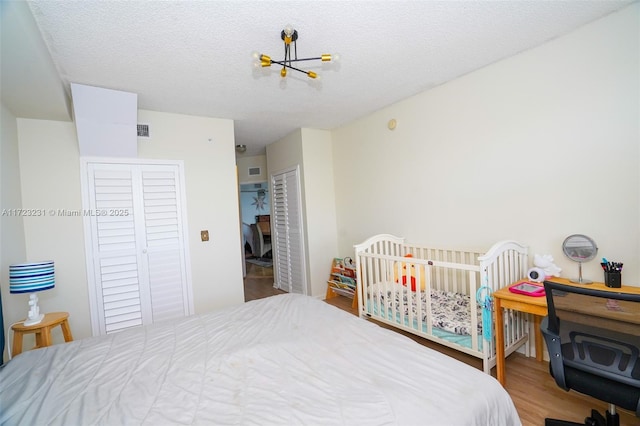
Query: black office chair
(593, 337)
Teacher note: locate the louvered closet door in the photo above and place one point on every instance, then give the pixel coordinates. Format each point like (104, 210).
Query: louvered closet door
(288, 242)
(136, 245)
(164, 241)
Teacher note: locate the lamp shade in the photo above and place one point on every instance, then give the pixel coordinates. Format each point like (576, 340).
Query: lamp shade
(31, 277)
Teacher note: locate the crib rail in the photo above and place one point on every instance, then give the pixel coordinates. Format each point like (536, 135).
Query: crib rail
(503, 264)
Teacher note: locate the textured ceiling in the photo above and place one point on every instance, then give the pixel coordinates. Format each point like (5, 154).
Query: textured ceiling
(194, 57)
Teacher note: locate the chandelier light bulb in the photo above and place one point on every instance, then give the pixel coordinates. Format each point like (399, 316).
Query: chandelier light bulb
(288, 30)
(283, 72)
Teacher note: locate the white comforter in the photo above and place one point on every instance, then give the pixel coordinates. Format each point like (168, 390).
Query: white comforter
(281, 360)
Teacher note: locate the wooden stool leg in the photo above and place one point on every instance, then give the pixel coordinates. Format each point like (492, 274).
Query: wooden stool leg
(45, 339)
(38, 336)
(66, 331)
(17, 343)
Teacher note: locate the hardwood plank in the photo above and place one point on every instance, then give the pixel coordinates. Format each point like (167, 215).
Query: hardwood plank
(258, 283)
(533, 390)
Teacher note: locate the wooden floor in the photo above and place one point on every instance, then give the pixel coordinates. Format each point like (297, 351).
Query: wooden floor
(534, 393)
(258, 283)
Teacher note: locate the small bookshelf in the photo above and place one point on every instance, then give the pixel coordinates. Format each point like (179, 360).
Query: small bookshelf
(342, 281)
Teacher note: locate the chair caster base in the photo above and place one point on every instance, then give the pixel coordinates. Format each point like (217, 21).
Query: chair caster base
(596, 419)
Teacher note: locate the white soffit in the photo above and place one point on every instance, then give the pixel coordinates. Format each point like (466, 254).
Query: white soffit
(106, 121)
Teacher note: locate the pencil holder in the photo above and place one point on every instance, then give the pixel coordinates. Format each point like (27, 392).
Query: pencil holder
(613, 279)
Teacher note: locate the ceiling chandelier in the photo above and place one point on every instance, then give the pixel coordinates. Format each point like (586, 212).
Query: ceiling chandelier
(290, 36)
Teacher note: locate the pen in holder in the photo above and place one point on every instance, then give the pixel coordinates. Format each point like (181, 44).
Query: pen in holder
(612, 273)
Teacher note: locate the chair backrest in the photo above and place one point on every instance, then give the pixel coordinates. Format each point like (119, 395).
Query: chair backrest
(258, 240)
(599, 331)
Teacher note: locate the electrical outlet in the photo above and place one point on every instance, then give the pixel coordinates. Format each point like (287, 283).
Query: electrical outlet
(204, 235)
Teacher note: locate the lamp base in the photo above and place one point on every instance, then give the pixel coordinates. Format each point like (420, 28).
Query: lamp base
(34, 316)
(33, 321)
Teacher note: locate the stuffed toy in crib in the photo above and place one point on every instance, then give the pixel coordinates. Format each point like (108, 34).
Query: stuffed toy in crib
(408, 271)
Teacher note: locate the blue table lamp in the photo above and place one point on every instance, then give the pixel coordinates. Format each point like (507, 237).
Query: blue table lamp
(31, 278)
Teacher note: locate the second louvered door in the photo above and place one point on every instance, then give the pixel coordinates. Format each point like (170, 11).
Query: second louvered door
(136, 245)
(287, 239)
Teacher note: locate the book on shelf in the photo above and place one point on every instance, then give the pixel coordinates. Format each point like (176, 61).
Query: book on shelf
(338, 284)
(343, 279)
(339, 268)
(342, 288)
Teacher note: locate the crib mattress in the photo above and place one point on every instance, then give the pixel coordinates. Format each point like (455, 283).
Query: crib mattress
(286, 359)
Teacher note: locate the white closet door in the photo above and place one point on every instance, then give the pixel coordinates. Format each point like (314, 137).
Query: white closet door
(288, 242)
(114, 245)
(136, 249)
(164, 242)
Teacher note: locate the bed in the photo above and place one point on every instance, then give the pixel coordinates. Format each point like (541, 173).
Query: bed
(286, 359)
(444, 298)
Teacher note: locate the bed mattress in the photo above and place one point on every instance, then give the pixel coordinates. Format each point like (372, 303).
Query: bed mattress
(286, 359)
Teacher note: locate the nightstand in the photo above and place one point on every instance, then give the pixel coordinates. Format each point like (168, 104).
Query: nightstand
(42, 330)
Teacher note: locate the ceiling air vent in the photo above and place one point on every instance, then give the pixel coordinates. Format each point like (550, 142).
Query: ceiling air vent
(143, 131)
(254, 171)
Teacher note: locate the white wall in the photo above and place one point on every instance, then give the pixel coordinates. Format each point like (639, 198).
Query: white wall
(312, 151)
(320, 207)
(12, 241)
(49, 167)
(534, 148)
(244, 163)
(49, 174)
(281, 155)
(207, 147)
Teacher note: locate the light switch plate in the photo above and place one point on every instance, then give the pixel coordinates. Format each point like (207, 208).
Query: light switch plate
(204, 235)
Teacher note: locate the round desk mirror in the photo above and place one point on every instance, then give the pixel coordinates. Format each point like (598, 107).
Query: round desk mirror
(579, 248)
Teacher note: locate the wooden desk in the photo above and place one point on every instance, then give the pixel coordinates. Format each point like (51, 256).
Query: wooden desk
(42, 330)
(537, 306)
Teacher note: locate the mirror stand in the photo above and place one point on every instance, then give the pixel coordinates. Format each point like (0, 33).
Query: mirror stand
(580, 280)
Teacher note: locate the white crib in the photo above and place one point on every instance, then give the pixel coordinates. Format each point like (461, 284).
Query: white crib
(445, 273)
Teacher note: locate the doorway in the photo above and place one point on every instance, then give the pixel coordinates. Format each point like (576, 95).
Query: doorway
(255, 207)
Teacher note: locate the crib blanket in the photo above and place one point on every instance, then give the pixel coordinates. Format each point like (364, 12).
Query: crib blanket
(449, 311)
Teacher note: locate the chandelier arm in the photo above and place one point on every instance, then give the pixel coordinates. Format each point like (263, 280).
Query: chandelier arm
(284, 64)
(306, 59)
(287, 52)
